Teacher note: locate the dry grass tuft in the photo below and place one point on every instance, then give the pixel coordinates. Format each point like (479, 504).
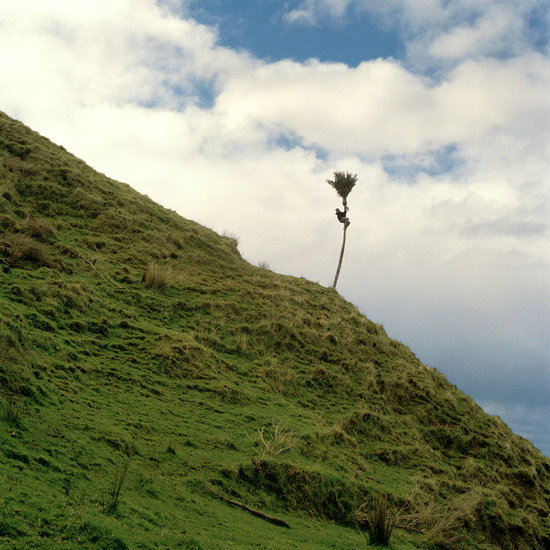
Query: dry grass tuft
(377, 520)
(278, 441)
(157, 276)
(23, 247)
(444, 524)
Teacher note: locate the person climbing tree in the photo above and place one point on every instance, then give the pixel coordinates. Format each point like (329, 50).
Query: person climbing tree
(342, 183)
(343, 216)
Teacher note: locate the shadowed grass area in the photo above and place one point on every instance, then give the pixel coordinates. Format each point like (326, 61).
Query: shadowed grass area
(142, 361)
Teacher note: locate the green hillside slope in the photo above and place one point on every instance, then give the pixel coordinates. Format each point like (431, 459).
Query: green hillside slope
(146, 370)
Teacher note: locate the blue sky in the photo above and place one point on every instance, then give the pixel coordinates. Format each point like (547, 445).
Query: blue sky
(441, 107)
(262, 27)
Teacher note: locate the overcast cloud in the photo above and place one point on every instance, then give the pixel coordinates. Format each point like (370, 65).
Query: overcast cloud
(449, 242)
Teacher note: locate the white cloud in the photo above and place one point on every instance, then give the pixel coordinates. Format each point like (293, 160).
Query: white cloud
(495, 31)
(491, 110)
(310, 11)
(450, 253)
(438, 31)
(116, 53)
(415, 13)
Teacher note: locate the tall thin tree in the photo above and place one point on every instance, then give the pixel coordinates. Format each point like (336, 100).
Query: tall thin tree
(342, 183)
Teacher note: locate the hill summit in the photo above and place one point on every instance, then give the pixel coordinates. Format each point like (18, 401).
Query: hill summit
(157, 391)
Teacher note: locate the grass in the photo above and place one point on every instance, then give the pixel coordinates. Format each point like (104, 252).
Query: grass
(157, 277)
(22, 248)
(377, 520)
(117, 488)
(272, 390)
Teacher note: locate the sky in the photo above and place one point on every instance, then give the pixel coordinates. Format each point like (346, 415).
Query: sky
(234, 113)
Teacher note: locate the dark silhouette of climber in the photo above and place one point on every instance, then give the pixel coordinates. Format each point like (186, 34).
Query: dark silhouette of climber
(342, 216)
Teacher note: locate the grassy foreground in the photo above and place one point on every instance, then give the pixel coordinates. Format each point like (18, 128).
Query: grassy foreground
(146, 370)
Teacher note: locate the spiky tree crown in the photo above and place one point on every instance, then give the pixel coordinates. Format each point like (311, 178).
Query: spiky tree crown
(343, 183)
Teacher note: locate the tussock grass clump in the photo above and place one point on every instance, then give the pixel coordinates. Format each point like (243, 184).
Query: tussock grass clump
(38, 228)
(377, 520)
(182, 356)
(443, 524)
(158, 277)
(117, 488)
(24, 248)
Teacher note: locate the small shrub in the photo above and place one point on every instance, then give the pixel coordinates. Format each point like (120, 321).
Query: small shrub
(376, 520)
(157, 277)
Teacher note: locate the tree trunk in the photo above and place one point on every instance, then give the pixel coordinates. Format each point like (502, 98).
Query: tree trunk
(341, 258)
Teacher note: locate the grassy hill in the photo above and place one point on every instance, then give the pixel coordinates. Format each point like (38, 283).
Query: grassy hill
(147, 372)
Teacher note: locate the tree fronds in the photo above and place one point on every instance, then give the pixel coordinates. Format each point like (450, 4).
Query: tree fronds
(343, 183)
